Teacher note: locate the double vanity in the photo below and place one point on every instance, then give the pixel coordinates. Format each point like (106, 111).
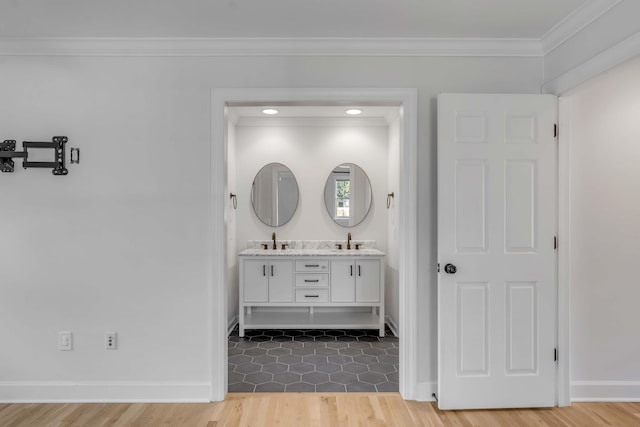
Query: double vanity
(311, 286)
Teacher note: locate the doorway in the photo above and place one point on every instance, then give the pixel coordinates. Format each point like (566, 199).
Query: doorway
(405, 197)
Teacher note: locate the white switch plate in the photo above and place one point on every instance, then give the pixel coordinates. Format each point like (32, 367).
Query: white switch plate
(65, 341)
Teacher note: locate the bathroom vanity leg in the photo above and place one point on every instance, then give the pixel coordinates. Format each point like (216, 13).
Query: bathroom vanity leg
(241, 315)
(241, 325)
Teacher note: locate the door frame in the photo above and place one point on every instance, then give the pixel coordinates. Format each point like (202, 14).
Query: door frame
(563, 338)
(407, 98)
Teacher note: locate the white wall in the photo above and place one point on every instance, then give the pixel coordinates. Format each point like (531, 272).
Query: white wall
(392, 285)
(605, 213)
(232, 275)
(122, 242)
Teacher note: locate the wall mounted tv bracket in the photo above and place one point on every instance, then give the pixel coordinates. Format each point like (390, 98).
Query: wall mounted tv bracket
(8, 153)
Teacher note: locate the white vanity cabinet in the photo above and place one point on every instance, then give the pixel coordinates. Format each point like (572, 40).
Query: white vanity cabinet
(267, 280)
(356, 280)
(297, 290)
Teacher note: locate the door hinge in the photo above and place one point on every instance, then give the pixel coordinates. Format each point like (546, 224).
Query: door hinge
(555, 130)
(555, 243)
(555, 354)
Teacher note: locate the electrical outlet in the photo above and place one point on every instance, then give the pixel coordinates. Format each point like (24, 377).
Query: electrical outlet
(65, 341)
(110, 340)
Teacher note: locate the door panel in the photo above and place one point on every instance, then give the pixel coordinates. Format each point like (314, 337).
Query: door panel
(473, 329)
(368, 280)
(522, 328)
(281, 281)
(520, 205)
(496, 224)
(255, 281)
(343, 280)
(471, 206)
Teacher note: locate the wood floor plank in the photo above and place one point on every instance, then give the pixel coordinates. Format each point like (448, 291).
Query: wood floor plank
(312, 410)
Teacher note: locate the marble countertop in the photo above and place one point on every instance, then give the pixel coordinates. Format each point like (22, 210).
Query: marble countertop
(312, 252)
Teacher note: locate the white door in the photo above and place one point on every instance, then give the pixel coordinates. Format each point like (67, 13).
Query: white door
(496, 226)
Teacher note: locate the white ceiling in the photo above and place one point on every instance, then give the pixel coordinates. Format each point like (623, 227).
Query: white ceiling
(528, 19)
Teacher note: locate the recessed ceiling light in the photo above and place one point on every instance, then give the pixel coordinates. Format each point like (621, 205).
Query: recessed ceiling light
(354, 111)
(270, 111)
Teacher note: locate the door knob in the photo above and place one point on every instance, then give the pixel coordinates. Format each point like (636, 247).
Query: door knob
(450, 269)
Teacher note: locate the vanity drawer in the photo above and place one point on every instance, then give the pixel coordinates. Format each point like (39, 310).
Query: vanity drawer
(312, 295)
(320, 279)
(312, 265)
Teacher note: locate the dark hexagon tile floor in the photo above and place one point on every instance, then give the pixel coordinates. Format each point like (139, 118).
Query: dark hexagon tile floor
(313, 360)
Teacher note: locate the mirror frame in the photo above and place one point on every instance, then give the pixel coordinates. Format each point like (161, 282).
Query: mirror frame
(253, 192)
(330, 180)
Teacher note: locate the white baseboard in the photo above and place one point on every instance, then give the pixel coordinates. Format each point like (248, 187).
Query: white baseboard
(102, 392)
(392, 325)
(581, 391)
(232, 324)
(424, 391)
(605, 391)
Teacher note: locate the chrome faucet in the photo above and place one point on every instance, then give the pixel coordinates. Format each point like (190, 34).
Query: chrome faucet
(349, 241)
(273, 237)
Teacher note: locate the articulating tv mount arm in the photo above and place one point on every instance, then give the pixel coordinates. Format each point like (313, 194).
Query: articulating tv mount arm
(8, 153)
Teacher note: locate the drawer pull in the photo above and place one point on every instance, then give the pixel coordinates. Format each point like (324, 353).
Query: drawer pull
(312, 265)
(312, 296)
(311, 281)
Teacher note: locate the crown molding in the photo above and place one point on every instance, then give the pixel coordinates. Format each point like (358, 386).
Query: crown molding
(600, 63)
(268, 47)
(580, 18)
(575, 22)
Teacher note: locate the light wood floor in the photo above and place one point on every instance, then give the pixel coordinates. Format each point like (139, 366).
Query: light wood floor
(312, 409)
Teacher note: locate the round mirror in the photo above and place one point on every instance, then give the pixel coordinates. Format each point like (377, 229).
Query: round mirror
(347, 195)
(274, 194)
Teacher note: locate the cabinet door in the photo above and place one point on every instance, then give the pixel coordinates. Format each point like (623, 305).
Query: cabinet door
(255, 281)
(281, 281)
(368, 280)
(343, 281)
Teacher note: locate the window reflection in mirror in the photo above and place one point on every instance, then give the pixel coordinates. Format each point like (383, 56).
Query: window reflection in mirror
(274, 194)
(347, 195)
